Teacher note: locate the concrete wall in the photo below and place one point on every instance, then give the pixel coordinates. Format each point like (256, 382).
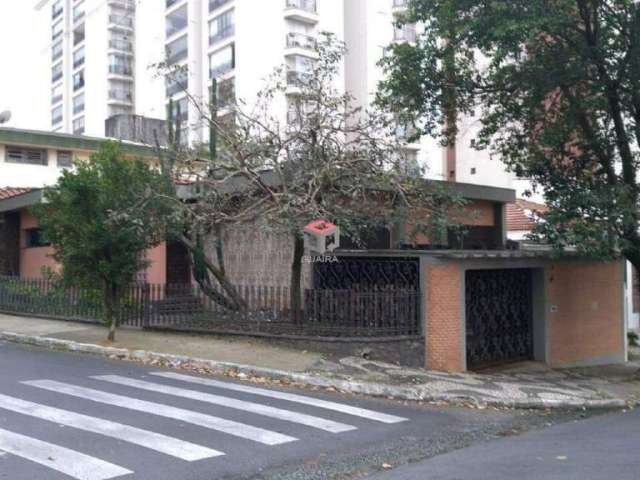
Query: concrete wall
(586, 313)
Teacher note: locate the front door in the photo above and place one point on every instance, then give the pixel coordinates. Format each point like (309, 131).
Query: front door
(499, 316)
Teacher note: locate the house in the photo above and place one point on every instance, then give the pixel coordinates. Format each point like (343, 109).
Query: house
(477, 302)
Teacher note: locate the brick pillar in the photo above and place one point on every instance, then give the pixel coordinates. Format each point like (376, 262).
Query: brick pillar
(443, 322)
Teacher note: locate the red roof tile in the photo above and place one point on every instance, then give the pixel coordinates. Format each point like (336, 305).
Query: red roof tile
(9, 192)
(524, 214)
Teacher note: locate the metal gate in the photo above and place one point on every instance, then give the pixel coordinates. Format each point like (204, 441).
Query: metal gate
(499, 316)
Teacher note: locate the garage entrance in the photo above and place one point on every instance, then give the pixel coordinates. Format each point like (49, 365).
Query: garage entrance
(499, 316)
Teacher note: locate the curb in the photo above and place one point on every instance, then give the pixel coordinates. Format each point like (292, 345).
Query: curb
(313, 380)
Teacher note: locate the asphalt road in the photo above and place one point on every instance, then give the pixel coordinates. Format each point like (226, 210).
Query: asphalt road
(68, 416)
(599, 448)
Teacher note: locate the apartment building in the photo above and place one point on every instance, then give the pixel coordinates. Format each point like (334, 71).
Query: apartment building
(104, 53)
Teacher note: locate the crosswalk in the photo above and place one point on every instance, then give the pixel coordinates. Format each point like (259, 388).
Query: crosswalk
(284, 424)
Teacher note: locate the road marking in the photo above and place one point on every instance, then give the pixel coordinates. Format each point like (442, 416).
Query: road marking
(151, 440)
(267, 411)
(291, 397)
(74, 464)
(237, 429)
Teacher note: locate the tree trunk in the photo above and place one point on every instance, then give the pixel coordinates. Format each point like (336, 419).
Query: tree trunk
(235, 301)
(110, 310)
(296, 279)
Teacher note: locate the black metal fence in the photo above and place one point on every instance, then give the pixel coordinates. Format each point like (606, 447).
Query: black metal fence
(377, 312)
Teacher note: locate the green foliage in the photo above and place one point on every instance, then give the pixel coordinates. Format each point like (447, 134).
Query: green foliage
(556, 85)
(102, 217)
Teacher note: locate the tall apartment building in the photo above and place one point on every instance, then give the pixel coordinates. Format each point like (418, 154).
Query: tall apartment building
(103, 53)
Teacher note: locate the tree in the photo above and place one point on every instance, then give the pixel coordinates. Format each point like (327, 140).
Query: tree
(556, 84)
(101, 218)
(328, 159)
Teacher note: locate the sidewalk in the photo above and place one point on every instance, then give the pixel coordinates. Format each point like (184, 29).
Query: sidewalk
(526, 386)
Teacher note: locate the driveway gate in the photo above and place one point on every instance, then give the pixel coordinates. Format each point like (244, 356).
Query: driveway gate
(499, 316)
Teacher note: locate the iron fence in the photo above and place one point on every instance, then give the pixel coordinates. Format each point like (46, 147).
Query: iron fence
(376, 312)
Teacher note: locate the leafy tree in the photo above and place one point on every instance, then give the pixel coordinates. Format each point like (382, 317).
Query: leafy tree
(328, 159)
(101, 218)
(556, 85)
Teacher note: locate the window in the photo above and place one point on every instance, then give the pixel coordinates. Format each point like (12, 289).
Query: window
(56, 94)
(176, 82)
(171, 2)
(177, 50)
(180, 110)
(56, 72)
(56, 9)
(56, 50)
(78, 126)
(65, 158)
(176, 21)
(78, 57)
(221, 27)
(78, 11)
(56, 115)
(78, 104)
(222, 61)
(214, 4)
(78, 35)
(57, 30)
(119, 64)
(30, 156)
(78, 80)
(35, 238)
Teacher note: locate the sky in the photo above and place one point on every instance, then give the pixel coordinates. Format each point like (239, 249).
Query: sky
(24, 82)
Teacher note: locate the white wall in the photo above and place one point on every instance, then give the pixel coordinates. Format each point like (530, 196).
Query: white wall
(29, 176)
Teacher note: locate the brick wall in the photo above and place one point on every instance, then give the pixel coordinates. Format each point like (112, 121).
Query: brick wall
(585, 312)
(443, 323)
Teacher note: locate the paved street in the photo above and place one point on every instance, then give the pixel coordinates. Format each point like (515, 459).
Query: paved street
(593, 449)
(69, 416)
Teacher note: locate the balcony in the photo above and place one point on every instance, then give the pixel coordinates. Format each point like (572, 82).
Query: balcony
(405, 34)
(121, 21)
(400, 5)
(121, 45)
(121, 96)
(78, 61)
(176, 85)
(301, 41)
(124, 70)
(215, 4)
(226, 32)
(56, 11)
(56, 76)
(298, 78)
(302, 11)
(177, 56)
(221, 69)
(123, 4)
(79, 108)
(171, 3)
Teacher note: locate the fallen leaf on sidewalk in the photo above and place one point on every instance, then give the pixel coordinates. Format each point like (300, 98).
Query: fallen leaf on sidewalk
(387, 466)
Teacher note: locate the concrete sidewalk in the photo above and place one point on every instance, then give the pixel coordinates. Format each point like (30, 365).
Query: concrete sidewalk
(529, 386)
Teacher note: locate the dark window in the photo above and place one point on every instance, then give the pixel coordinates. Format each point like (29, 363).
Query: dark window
(35, 238)
(65, 159)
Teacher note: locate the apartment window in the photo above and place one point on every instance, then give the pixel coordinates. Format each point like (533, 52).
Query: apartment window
(226, 93)
(215, 4)
(78, 80)
(78, 35)
(405, 33)
(177, 50)
(180, 110)
(306, 5)
(222, 61)
(78, 57)
(221, 27)
(120, 64)
(64, 158)
(56, 94)
(56, 50)
(35, 238)
(171, 3)
(30, 156)
(56, 115)
(299, 70)
(176, 21)
(177, 82)
(78, 104)
(57, 29)
(78, 11)
(56, 9)
(56, 72)
(78, 126)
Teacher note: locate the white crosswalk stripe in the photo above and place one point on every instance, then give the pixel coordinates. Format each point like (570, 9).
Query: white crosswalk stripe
(291, 397)
(237, 429)
(286, 415)
(151, 440)
(69, 462)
